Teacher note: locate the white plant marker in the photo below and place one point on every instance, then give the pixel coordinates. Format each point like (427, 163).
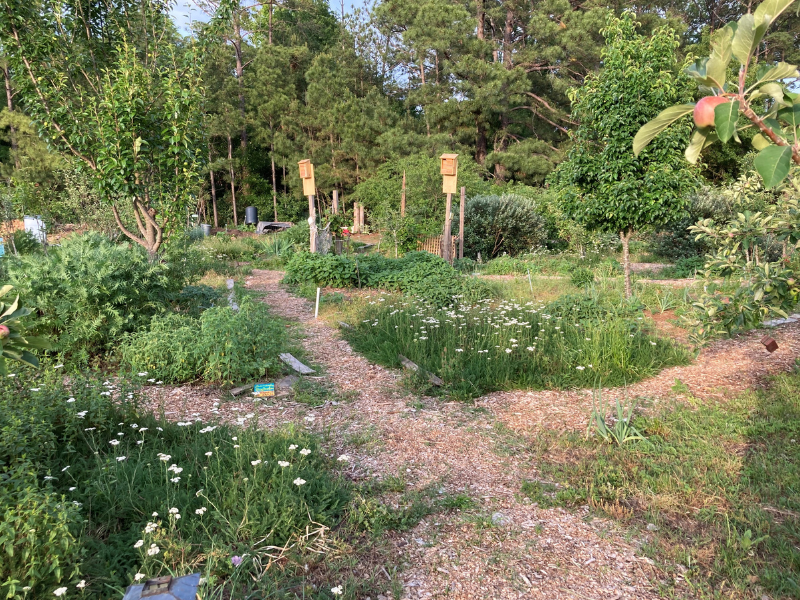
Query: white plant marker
(316, 309)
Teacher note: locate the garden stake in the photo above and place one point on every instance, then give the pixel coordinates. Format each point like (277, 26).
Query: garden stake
(530, 281)
(316, 309)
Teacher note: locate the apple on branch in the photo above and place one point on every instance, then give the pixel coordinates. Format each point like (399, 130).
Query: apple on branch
(704, 110)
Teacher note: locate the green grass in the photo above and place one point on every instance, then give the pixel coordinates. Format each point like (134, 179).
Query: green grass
(483, 347)
(86, 474)
(721, 482)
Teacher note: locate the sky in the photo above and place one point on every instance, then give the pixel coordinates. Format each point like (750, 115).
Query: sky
(185, 12)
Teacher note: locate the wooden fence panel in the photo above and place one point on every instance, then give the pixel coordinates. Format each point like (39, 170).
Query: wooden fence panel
(434, 245)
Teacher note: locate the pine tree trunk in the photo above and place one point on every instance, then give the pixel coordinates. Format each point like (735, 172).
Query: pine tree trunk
(213, 189)
(625, 236)
(233, 185)
(481, 19)
(12, 131)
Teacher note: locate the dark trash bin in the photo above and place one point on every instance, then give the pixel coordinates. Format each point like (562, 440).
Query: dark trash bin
(250, 215)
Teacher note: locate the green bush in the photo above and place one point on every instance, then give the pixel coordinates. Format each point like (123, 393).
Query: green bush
(581, 277)
(82, 476)
(507, 224)
(91, 291)
(417, 273)
(221, 345)
(26, 243)
(684, 268)
(37, 542)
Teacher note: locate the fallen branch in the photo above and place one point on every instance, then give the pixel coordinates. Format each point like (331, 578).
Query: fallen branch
(414, 367)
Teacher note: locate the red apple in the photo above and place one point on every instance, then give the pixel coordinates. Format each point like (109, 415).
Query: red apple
(4, 332)
(704, 110)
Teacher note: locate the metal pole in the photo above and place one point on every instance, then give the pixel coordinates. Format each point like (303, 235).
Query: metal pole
(403, 197)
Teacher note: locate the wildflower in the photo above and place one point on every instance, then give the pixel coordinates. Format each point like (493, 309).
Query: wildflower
(164, 457)
(36, 390)
(293, 447)
(343, 458)
(151, 527)
(175, 469)
(90, 428)
(209, 453)
(580, 368)
(652, 343)
(142, 429)
(138, 576)
(508, 350)
(255, 462)
(121, 458)
(174, 511)
(60, 591)
(72, 489)
(236, 445)
(139, 442)
(58, 367)
(234, 438)
(105, 393)
(65, 468)
(139, 544)
(151, 380)
(80, 585)
(459, 349)
(236, 560)
(200, 510)
(153, 550)
(337, 591)
(530, 348)
(298, 482)
(305, 451)
(283, 463)
(48, 477)
(70, 400)
(155, 514)
(175, 480)
(114, 442)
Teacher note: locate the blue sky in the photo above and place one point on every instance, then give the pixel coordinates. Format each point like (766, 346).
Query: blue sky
(184, 12)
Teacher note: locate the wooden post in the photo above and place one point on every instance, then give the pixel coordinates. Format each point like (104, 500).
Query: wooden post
(448, 230)
(403, 197)
(336, 202)
(312, 224)
(461, 223)
(355, 217)
(361, 213)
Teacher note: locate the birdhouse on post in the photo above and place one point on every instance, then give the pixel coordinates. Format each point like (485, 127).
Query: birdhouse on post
(449, 170)
(307, 175)
(309, 189)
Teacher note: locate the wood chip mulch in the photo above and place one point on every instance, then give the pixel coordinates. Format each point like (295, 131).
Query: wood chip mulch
(510, 549)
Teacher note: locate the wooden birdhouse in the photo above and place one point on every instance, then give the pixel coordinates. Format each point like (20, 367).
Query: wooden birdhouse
(449, 170)
(307, 175)
(770, 344)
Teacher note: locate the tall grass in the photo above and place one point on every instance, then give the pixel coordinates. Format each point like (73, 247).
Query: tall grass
(96, 490)
(478, 348)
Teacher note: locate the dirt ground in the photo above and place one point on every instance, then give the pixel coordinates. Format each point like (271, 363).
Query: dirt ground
(525, 551)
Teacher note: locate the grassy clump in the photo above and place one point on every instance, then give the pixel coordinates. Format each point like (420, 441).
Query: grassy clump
(86, 475)
(221, 345)
(478, 348)
(721, 483)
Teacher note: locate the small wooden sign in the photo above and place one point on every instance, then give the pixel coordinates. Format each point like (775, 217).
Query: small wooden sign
(263, 390)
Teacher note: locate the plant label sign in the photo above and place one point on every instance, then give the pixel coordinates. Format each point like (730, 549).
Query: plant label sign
(263, 390)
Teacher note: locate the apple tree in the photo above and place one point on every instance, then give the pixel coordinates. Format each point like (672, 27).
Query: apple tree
(601, 184)
(759, 98)
(112, 86)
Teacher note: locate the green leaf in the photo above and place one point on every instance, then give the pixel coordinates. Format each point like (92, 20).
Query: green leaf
(664, 119)
(725, 117)
(780, 71)
(773, 164)
(743, 41)
(702, 138)
(791, 115)
(721, 43)
(774, 90)
(769, 10)
(760, 142)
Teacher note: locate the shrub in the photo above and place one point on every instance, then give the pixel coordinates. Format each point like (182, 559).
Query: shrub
(507, 224)
(684, 268)
(221, 345)
(72, 468)
(14, 343)
(91, 291)
(416, 273)
(26, 243)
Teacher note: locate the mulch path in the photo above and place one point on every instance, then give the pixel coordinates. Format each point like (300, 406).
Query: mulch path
(529, 552)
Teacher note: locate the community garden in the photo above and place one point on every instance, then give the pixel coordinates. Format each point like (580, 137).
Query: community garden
(564, 367)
